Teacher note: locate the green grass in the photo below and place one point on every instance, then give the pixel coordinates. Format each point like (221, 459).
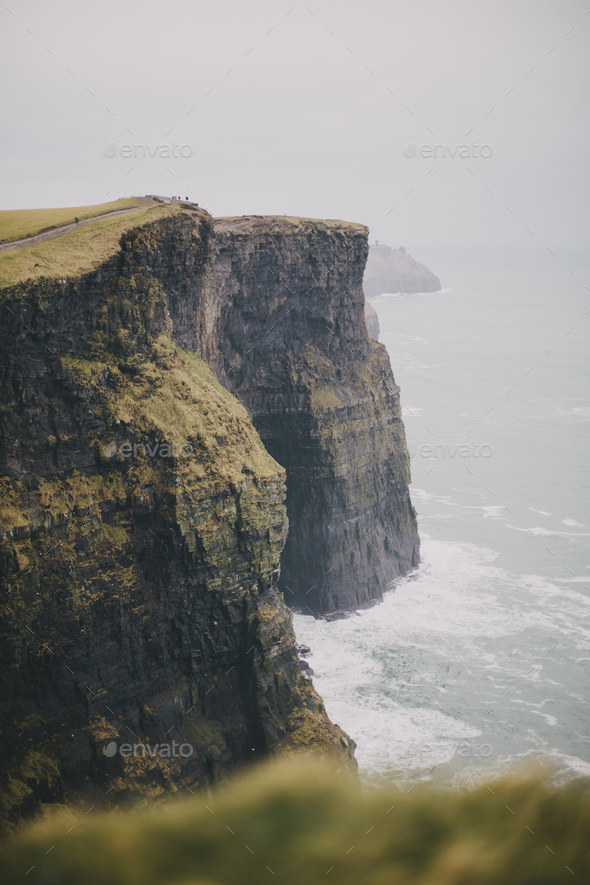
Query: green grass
(15, 224)
(303, 823)
(175, 397)
(286, 223)
(72, 254)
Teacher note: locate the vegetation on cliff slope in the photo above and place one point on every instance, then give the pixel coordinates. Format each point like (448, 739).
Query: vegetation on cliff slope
(16, 224)
(81, 250)
(297, 823)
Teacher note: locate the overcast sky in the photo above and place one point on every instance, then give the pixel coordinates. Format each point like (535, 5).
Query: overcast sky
(306, 110)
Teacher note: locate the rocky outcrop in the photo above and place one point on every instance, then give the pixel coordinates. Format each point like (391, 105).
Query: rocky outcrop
(145, 645)
(393, 270)
(144, 520)
(281, 311)
(372, 321)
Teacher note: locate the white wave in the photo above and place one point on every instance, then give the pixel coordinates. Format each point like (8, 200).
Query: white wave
(538, 530)
(579, 580)
(560, 766)
(389, 677)
(423, 495)
(494, 511)
(573, 523)
(384, 295)
(550, 720)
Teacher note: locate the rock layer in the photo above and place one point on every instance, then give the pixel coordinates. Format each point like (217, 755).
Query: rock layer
(291, 342)
(143, 520)
(275, 306)
(142, 527)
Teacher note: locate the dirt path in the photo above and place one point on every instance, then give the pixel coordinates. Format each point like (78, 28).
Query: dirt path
(50, 234)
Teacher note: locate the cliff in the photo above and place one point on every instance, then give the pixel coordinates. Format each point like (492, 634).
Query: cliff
(281, 319)
(142, 526)
(393, 270)
(143, 512)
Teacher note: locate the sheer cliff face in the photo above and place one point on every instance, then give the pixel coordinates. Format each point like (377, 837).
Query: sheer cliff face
(142, 527)
(143, 520)
(287, 335)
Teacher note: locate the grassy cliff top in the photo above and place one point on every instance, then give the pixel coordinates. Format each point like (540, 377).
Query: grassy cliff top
(285, 224)
(79, 251)
(84, 248)
(15, 224)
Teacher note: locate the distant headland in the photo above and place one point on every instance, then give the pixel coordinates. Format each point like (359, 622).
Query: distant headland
(393, 270)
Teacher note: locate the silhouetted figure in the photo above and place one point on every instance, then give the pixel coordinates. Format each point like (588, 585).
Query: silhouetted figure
(77, 220)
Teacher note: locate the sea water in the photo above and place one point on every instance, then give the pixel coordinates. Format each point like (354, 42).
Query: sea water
(479, 660)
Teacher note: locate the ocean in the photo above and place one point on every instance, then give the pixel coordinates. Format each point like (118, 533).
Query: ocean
(478, 661)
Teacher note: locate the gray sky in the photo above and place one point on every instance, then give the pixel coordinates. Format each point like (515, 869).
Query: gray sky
(289, 109)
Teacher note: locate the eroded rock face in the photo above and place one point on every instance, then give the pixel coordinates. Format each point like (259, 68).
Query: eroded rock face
(275, 306)
(140, 579)
(290, 341)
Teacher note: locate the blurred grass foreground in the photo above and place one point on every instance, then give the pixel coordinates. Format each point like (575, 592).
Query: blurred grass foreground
(304, 822)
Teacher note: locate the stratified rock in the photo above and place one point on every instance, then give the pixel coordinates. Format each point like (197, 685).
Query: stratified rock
(140, 580)
(393, 270)
(281, 313)
(142, 525)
